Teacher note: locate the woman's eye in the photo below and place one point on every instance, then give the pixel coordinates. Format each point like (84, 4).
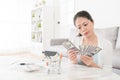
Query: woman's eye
(85, 24)
(79, 27)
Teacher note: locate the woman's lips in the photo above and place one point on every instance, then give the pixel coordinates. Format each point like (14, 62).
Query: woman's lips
(85, 33)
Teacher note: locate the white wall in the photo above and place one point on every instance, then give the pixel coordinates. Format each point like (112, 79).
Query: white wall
(106, 13)
(66, 13)
(15, 24)
(48, 23)
(15, 19)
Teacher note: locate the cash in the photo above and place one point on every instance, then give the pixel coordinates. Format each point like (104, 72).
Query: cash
(88, 50)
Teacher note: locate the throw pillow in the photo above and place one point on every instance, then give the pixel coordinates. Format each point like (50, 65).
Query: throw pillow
(109, 34)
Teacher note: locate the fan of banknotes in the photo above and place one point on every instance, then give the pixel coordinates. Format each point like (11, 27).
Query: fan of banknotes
(88, 50)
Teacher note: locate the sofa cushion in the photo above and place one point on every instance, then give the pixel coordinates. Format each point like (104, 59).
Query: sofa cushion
(109, 34)
(116, 61)
(117, 71)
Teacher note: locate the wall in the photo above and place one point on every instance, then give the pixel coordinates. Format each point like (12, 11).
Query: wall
(15, 19)
(48, 23)
(104, 12)
(15, 24)
(66, 13)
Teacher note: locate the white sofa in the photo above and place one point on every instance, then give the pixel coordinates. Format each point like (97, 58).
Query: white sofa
(110, 34)
(113, 35)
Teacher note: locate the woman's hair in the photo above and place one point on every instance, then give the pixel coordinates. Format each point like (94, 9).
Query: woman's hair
(84, 14)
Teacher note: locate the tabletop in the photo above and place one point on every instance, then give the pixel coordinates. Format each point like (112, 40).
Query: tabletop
(10, 69)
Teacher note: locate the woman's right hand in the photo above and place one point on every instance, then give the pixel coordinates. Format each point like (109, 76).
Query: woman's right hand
(72, 55)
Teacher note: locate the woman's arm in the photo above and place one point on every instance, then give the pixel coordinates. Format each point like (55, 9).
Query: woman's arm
(89, 61)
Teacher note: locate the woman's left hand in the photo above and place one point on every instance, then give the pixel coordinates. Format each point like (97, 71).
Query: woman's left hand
(87, 60)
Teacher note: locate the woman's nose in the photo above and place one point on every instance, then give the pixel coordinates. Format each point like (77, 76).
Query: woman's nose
(83, 28)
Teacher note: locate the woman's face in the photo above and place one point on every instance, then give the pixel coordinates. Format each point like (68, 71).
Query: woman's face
(84, 26)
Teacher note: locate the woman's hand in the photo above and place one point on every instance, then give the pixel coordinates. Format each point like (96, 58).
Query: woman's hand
(88, 61)
(72, 55)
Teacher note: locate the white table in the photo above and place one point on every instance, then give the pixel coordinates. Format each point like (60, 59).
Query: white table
(11, 70)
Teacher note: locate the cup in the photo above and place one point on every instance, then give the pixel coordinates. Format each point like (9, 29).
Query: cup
(53, 62)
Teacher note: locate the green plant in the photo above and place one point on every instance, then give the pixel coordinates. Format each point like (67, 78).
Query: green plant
(39, 25)
(43, 1)
(33, 15)
(33, 36)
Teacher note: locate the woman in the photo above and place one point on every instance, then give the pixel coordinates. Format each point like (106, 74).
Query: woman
(85, 25)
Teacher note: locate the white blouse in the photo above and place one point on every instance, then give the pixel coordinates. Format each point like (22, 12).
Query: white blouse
(102, 58)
